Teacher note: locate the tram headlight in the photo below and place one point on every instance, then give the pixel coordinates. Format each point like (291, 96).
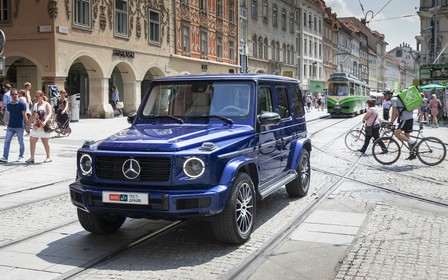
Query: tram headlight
(85, 164)
(193, 167)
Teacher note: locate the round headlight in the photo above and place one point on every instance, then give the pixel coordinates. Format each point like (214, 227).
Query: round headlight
(85, 164)
(194, 167)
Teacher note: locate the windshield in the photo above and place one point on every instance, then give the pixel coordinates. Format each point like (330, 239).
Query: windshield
(338, 90)
(199, 99)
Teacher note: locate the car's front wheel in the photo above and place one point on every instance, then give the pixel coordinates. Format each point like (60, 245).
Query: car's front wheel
(299, 186)
(235, 223)
(100, 223)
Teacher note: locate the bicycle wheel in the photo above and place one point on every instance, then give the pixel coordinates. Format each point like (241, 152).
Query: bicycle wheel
(393, 150)
(431, 151)
(354, 139)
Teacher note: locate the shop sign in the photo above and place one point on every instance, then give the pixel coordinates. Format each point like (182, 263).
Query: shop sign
(123, 53)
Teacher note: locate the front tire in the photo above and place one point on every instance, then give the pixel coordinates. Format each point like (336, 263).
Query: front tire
(431, 151)
(100, 223)
(299, 186)
(235, 223)
(354, 139)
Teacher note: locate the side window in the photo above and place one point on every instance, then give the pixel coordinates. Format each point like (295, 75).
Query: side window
(283, 103)
(264, 97)
(297, 101)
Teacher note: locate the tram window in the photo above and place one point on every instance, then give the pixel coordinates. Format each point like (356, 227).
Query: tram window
(338, 90)
(264, 100)
(283, 103)
(297, 100)
(352, 89)
(358, 90)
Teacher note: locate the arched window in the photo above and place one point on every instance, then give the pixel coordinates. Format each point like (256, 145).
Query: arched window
(284, 52)
(255, 47)
(260, 47)
(284, 19)
(265, 52)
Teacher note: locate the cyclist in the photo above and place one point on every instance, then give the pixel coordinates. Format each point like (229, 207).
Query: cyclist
(405, 124)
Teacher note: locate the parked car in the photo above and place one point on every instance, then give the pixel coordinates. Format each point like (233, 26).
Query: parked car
(205, 146)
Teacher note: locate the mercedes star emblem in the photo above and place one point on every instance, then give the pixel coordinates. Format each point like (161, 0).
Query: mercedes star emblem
(131, 169)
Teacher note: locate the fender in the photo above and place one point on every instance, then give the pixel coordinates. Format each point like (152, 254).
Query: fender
(299, 145)
(232, 167)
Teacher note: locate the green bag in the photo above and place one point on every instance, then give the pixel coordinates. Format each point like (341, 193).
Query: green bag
(410, 98)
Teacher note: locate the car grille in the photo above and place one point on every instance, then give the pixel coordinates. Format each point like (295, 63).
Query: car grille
(153, 169)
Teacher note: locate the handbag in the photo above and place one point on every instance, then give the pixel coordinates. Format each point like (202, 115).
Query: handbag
(369, 129)
(49, 126)
(119, 105)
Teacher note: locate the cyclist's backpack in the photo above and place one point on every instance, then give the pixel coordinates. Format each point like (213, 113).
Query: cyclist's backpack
(410, 98)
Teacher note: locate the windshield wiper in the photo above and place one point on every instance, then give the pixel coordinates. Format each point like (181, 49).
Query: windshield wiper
(224, 119)
(179, 120)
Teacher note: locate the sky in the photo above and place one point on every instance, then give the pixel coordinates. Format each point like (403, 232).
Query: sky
(390, 17)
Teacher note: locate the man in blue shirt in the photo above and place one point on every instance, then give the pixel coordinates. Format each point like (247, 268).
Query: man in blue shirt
(17, 121)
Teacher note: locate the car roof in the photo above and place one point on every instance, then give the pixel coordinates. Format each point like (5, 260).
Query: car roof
(227, 77)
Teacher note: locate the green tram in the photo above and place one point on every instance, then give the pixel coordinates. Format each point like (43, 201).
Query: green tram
(347, 95)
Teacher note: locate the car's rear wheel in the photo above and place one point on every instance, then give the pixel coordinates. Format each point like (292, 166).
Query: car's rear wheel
(100, 223)
(235, 223)
(299, 186)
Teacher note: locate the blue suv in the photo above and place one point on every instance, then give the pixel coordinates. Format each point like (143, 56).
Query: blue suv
(199, 146)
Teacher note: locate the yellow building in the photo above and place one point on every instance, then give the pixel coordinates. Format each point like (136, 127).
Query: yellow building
(86, 46)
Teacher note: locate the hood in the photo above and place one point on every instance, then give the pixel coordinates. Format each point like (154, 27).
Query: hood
(170, 138)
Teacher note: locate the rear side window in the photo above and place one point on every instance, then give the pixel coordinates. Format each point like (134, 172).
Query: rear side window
(283, 102)
(264, 100)
(297, 101)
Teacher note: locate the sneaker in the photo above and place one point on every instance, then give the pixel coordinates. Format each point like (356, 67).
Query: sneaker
(20, 159)
(3, 159)
(411, 157)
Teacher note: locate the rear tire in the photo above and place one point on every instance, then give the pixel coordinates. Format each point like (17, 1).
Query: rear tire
(100, 223)
(235, 223)
(299, 187)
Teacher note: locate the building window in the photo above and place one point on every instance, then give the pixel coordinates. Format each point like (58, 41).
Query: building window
(204, 43)
(304, 19)
(219, 11)
(283, 19)
(186, 38)
(203, 5)
(304, 70)
(219, 46)
(231, 49)
(232, 12)
(291, 22)
(305, 48)
(260, 47)
(320, 26)
(284, 53)
(315, 24)
(154, 26)
(121, 17)
(273, 51)
(255, 46)
(277, 50)
(81, 12)
(254, 8)
(264, 11)
(274, 15)
(265, 48)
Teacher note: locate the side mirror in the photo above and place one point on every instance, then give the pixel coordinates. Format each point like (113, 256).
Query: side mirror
(269, 118)
(131, 117)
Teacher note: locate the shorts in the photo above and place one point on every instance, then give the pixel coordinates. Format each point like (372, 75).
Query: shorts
(424, 109)
(39, 133)
(406, 125)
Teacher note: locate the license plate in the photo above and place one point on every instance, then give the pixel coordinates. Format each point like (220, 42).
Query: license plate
(126, 198)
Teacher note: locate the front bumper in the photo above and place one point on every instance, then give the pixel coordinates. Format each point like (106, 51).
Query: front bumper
(168, 204)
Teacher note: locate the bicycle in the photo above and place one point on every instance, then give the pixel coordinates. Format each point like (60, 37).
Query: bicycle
(429, 150)
(354, 139)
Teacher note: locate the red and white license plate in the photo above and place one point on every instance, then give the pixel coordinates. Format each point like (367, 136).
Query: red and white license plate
(126, 198)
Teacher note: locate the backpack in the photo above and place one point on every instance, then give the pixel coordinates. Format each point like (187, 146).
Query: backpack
(410, 98)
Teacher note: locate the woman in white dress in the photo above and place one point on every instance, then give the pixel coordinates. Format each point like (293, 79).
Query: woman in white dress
(40, 116)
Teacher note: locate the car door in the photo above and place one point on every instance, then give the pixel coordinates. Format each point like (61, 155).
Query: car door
(283, 133)
(268, 154)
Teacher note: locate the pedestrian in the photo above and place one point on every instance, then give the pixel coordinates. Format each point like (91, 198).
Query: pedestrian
(40, 116)
(405, 124)
(371, 119)
(308, 103)
(62, 119)
(22, 97)
(17, 121)
(115, 99)
(423, 110)
(27, 86)
(387, 103)
(434, 105)
(6, 101)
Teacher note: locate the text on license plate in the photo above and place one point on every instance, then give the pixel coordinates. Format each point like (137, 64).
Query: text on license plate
(125, 198)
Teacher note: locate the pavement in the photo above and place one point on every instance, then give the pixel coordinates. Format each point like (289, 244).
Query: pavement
(332, 230)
